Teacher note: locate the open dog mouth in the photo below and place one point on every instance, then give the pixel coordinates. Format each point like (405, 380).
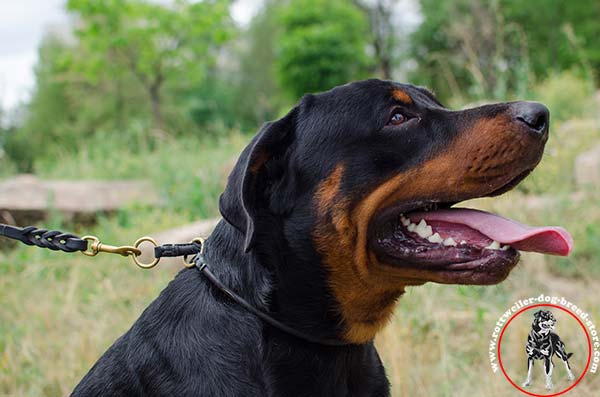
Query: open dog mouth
(460, 245)
(547, 324)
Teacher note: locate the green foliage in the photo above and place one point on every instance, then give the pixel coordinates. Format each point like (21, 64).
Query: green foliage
(7, 166)
(131, 63)
(189, 173)
(322, 45)
(254, 84)
(566, 94)
(213, 105)
(573, 130)
(560, 34)
(153, 42)
(48, 112)
(495, 49)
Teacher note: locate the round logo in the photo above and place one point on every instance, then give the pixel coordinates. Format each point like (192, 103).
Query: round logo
(544, 350)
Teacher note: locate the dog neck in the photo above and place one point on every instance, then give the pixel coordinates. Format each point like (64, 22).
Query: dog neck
(271, 277)
(224, 254)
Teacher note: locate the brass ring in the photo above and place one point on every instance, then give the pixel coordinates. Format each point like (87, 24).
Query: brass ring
(135, 257)
(200, 241)
(93, 247)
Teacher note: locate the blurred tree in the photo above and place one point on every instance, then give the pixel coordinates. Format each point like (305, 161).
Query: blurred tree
(3, 131)
(154, 42)
(323, 44)
(241, 91)
(47, 112)
(129, 63)
(255, 82)
(466, 49)
(497, 48)
(214, 102)
(560, 34)
(384, 34)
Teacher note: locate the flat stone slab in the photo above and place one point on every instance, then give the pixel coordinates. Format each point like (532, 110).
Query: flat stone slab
(27, 193)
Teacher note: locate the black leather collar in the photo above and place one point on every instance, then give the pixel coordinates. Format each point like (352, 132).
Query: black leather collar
(204, 270)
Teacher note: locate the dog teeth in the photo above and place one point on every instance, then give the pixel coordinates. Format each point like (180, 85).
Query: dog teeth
(449, 242)
(435, 238)
(405, 221)
(493, 246)
(423, 230)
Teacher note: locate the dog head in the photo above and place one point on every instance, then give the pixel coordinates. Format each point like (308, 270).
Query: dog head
(329, 181)
(543, 321)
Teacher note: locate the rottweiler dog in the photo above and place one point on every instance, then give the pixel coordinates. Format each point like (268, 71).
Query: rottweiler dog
(328, 215)
(543, 344)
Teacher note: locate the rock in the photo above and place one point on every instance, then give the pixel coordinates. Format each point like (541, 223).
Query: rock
(587, 168)
(25, 198)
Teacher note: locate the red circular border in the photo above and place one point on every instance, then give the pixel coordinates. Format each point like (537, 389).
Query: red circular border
(582, 373)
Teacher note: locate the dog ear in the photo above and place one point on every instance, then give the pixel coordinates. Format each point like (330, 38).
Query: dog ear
(239, 202)
(537, 314)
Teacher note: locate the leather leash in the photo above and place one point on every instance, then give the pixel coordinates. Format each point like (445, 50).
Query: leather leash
(92, 246)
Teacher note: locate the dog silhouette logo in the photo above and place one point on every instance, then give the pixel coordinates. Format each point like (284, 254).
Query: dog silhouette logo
(543, 344)
(545, 337)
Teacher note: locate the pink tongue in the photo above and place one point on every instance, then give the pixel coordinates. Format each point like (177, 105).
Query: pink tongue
(553, 240)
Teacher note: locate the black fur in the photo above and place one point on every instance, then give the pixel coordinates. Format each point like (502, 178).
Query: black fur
(193, 341)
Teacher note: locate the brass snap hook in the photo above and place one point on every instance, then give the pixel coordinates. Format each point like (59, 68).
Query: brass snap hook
(97, 246)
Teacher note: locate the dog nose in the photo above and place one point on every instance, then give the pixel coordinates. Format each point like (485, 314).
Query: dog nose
(534, 115)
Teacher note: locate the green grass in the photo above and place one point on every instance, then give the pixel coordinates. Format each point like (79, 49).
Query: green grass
(188, 172)
(61, 311)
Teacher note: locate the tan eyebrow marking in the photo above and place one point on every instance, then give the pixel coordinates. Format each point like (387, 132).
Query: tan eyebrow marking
(401, 96)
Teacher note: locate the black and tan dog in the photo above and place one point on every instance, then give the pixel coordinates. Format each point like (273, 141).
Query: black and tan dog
(321, 230)
(543, 344)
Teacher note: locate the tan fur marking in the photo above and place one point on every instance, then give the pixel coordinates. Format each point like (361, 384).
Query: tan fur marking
(329, 188)
(335, 238)
(365, 289)
(401, 96)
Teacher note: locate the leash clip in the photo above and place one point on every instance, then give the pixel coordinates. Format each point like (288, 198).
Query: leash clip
(97, 246)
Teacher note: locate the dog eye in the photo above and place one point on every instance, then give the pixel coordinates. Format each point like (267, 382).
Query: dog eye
(397, 118)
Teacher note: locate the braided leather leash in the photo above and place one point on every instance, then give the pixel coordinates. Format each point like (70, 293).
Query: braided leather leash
(90, 245)
(43, 238)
